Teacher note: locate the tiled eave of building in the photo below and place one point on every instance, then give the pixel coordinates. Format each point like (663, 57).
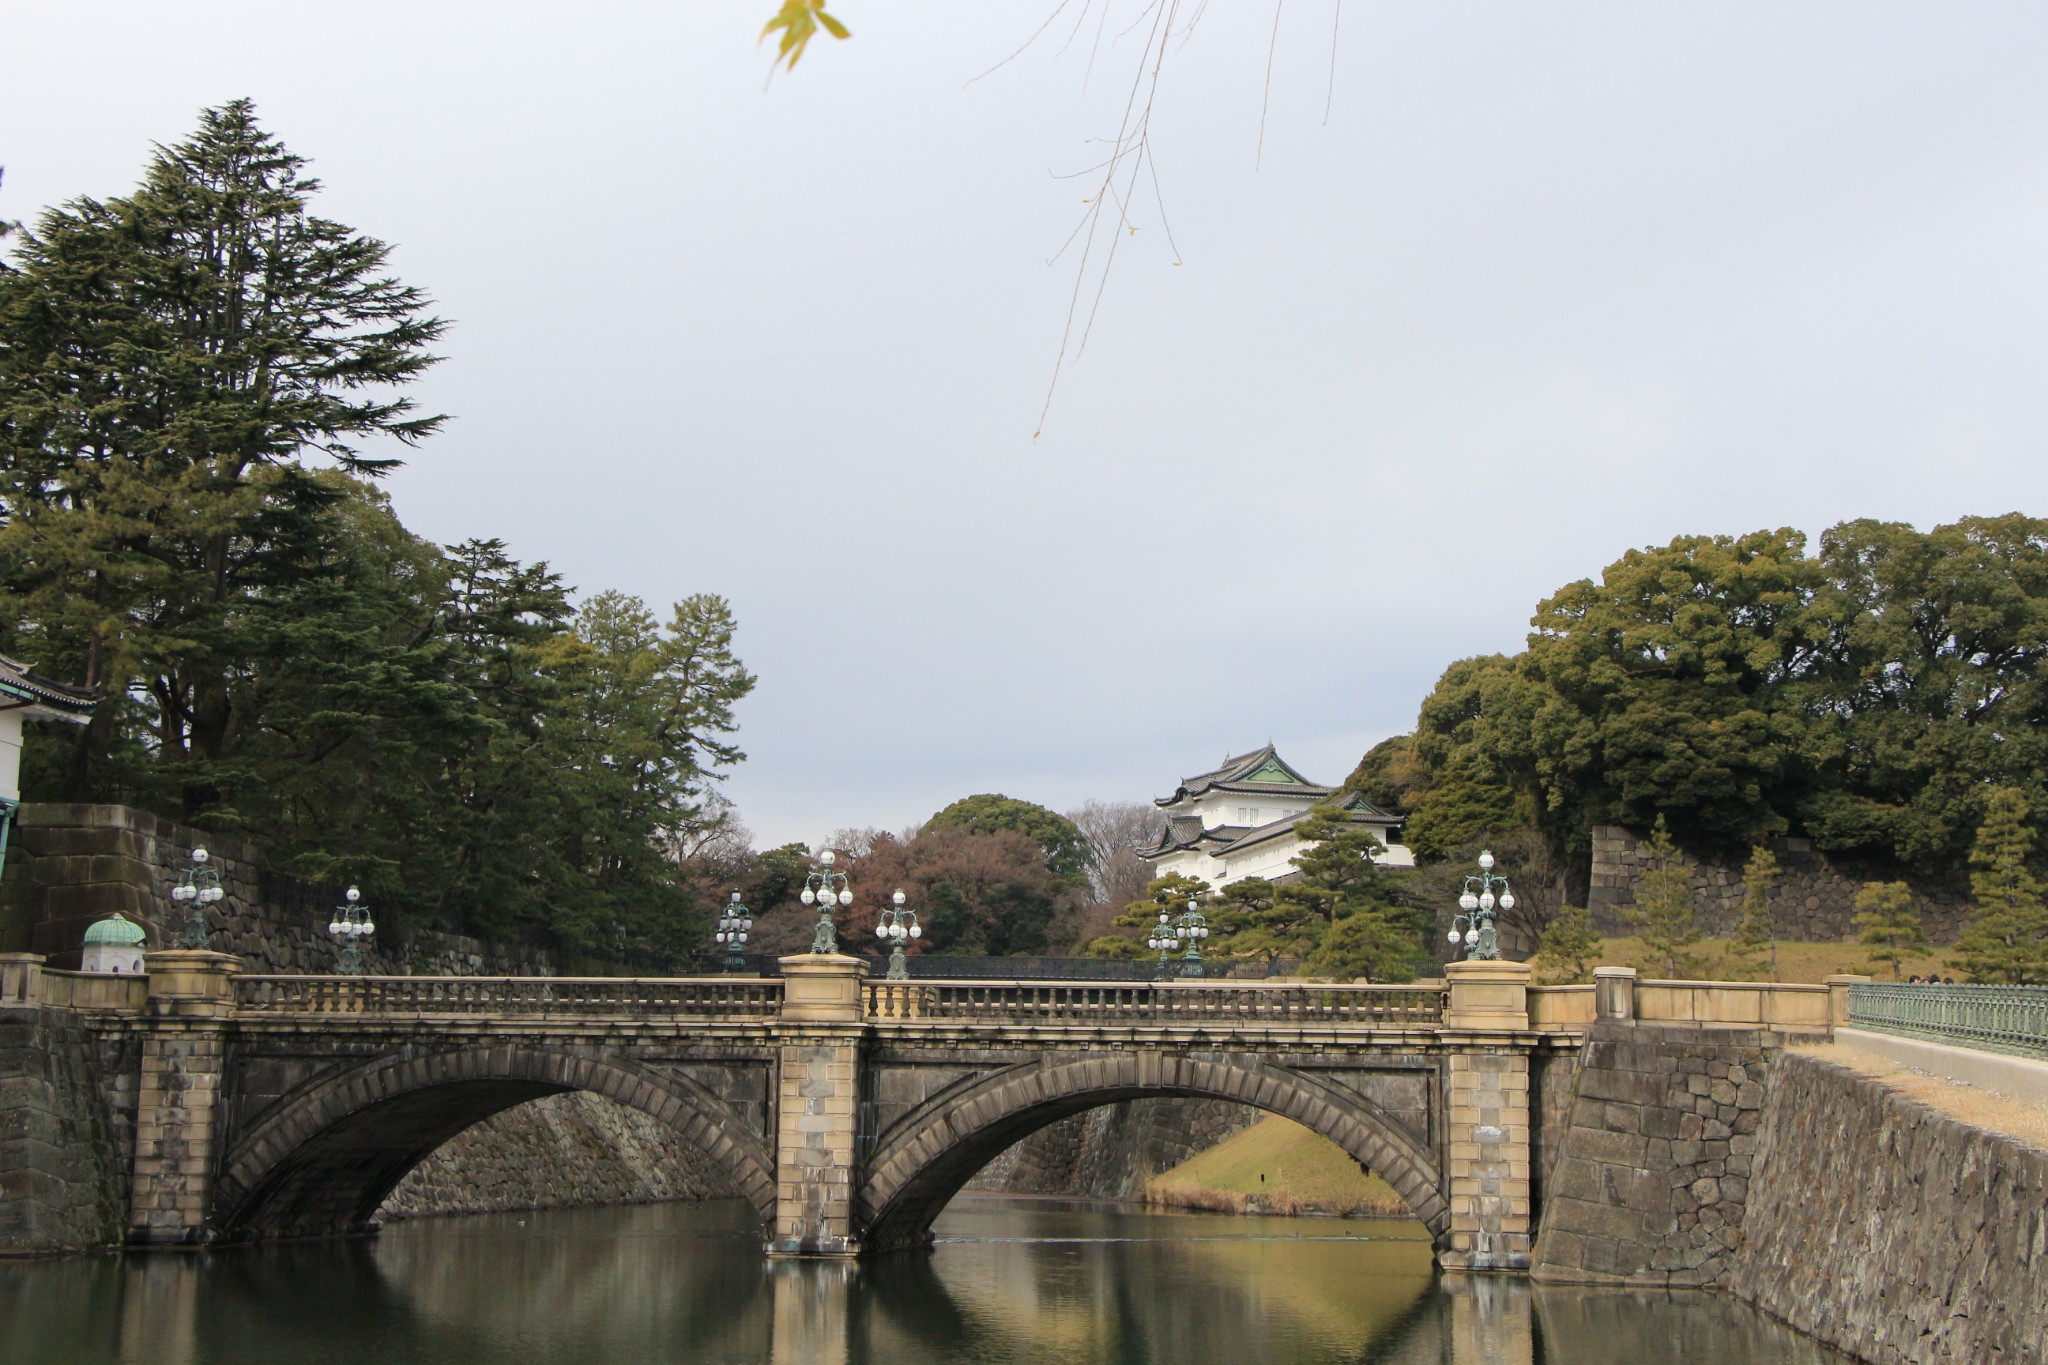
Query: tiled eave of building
(45, 698)
(1220, 837)
(1274, 829)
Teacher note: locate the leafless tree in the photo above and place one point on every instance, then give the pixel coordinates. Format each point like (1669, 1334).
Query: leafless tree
(1112, 829)
(855, 843)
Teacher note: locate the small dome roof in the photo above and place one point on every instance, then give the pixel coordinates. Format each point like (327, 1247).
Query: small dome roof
(116, 930)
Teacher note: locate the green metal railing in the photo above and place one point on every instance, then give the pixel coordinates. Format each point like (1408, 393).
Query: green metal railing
(1994, 1018)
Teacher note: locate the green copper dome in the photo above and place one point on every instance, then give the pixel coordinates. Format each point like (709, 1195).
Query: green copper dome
(115, 931)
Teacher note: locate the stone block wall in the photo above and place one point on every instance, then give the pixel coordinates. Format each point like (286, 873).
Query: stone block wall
(1813, 899)
(63, 1155)
(1651, 1175)
(564, 1151)
(68, 865)
(1110, 1152)
(1891, 1231)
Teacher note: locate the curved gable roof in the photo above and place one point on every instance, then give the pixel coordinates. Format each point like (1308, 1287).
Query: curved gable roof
(1262, 771)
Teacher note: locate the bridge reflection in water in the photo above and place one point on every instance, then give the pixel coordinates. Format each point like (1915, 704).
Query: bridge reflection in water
(1009, 1283)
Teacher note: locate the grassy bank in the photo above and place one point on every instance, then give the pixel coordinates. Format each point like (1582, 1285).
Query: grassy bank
(1797, 962)
(1276, 1166)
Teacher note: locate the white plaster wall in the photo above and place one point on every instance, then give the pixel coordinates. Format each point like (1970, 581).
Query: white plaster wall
(10, 755)
(1220, 808)
(102, 957)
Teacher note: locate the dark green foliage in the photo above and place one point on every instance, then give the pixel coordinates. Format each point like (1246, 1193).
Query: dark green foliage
(167, 362)
(1887, 923)
(1569, 945)
(1337, 915)
(1741, 687)
(1663, 911)
(1066, 850)
(190, 377)
(2006, 939)
(1755, 947)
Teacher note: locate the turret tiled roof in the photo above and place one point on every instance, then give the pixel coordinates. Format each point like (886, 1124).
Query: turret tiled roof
(1262, 772)
(1187, 831)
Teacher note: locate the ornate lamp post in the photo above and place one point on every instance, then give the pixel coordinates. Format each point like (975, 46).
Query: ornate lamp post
(1191, 928)
(1162, 941)
(349, 927)
(733, 928)
(198, 887)
(826, 889)
(898, 925)
(1474, 927)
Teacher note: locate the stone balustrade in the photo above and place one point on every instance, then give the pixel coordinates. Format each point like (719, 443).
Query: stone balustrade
(1027, 1002)
(511, 995)
(1616, 994)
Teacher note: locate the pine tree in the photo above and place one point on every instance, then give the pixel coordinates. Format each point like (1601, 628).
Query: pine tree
(1570, 943)
(1755, 945)
(1889, 924)
(1663, 913)
(1342, 895)
(173, 365)
(2007, 936)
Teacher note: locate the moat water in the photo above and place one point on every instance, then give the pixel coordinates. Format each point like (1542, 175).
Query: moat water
(1010, 1282)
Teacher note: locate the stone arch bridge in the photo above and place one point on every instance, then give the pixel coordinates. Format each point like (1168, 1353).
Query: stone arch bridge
(847, 1111)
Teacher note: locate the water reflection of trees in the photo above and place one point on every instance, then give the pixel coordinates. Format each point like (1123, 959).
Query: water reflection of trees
(1008, 1284)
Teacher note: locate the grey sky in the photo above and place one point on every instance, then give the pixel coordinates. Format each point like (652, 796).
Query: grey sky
(1555, 280)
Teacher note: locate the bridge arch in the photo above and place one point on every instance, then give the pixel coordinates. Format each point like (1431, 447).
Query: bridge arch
(324, 1159)
(922, 1161)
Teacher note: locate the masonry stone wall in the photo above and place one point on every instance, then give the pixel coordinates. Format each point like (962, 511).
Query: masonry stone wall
(68, 865)
(63, 1149)
(1111, 1151)
(1814, 898)
(563, 1151)
(1892, 1231)
(1651, 1175)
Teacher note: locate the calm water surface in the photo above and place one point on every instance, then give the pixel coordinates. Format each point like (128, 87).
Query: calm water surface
(1011, 1282)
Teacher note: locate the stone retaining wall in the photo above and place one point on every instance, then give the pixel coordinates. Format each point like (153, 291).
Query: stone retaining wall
(1650, 1177)
(563, 1151)
(63, 1150)
(1719, 1158)
(68, 865)
(1892, 1231)
(1813, 899)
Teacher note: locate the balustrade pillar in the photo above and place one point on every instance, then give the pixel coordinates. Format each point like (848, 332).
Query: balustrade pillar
(21, 980)
(178, 1110)
(817, 1099)
(1838, 999)
(1614, 992)
(1490, 1177)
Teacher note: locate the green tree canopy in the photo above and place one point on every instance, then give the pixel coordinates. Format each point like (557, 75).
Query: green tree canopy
(1065, 849)
(1741, 687)
(1887, 923)
(199, 383)
(170, 362)
(2006, 939)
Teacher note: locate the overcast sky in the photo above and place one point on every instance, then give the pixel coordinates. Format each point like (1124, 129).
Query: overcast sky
(1554, 280)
